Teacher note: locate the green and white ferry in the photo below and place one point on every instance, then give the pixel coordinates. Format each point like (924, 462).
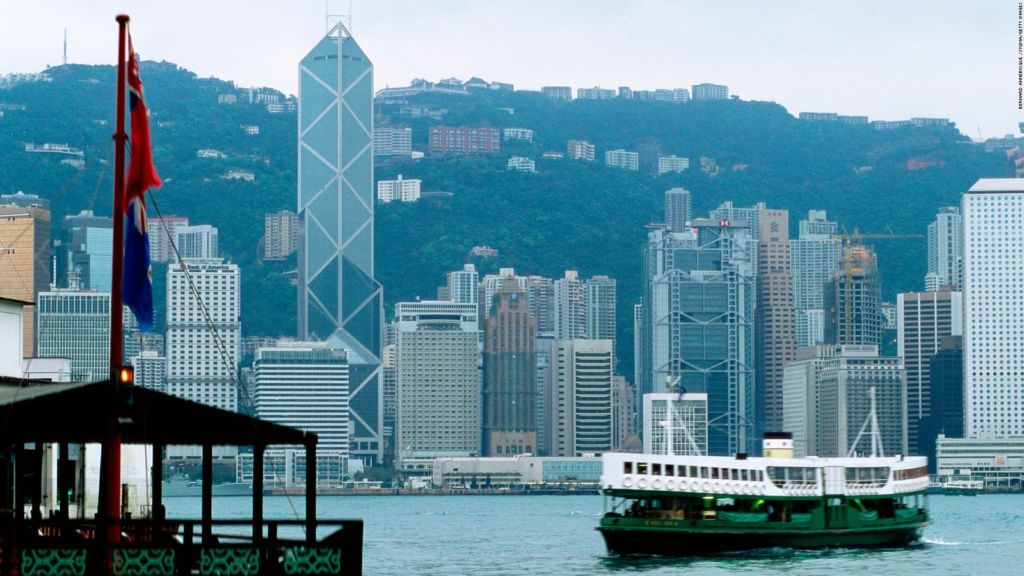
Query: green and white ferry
(692, 505)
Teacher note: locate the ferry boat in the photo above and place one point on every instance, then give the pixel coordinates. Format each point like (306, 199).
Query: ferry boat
(694, 505)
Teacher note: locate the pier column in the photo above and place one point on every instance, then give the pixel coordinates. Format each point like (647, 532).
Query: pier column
(311, 491)
(157, 474)
(62, 479)
(258, 452)
(207, 493)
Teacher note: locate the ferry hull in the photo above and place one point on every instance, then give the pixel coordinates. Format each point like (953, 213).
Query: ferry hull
(692, 543)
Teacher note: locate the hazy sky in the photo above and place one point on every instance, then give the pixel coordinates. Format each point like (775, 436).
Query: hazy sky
(885, 59)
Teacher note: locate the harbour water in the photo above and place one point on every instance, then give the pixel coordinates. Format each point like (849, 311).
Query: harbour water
(514, 535)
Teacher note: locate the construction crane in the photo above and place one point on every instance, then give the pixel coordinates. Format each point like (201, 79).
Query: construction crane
(856, 260)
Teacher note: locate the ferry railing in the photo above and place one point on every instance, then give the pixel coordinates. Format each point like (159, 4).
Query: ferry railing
(179, 546)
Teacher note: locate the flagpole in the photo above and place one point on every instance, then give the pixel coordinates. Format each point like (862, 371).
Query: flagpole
(110, 489)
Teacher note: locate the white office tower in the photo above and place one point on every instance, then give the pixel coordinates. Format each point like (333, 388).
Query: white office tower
(196, 242)
(570, 307)
(678, 209)
(579, 409)
(305, 385)
(600, 311)
(75, 325)
(203, 332)
(945, 250)
(813, 258)
(437, 383)
(687, 427)
(150, 370)
(993, 300)
(463, 285)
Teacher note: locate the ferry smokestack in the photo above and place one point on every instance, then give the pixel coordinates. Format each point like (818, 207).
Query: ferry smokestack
(777, 445)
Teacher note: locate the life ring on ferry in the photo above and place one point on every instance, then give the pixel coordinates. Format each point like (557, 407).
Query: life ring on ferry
(684, 486)
(656, 484)
(706, 486)
(670, 485)
(627, 482)
(641, 483)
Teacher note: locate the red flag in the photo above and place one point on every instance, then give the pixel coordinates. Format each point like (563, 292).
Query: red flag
(141, 172)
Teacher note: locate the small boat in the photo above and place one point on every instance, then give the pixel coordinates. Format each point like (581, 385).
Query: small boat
(695, 505)
(962, 487)
(182, 486)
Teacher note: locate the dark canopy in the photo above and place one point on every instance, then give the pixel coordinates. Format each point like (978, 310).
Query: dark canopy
(79, 412)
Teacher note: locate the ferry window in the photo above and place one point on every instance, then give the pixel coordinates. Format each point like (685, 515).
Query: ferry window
(735, 474)
(703, 471)
(669, 470)
(627, 468)
(656, 469)
(641, 468)
(743, 475)
(714, 473)
(693, 472)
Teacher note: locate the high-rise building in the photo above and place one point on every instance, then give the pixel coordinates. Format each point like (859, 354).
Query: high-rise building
(993, 300)
(557, 92)
(775, 330)
(305, 385)
(580, 415)
(698, 324)
(203, 358)
(814, 256)
(710, 92)
(827, 400)
(600, 311)
(853, 300)
(491, 283)
(595, 93)
(925, 320)
(280, 234)
(463, 140)
(540, 293)
(945, 250)
(437, 383)
(150, 370)
(197, 242)
(671, 164)
(76, 325)
(570, 307)
(398, 190)
(389, 141)
(162, 235)
(25, 261)
(338, 298)
(945, 398)
(463, 285)
(544, 341)
(580, 150)
(678, 209)
(510, 375)
(622, 159)
(622, 418)
(84, 252)
(688, 426)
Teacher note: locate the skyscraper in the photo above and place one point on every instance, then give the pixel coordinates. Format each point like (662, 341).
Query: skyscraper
(437, 383)
(945, 250)
(463, 285)
(580, 397)
(926, 319)
(25, 260)
(203, 359)
(510, 375)
(570, 307)
(698, 324)
(993, 273)
(162, 236)
(540, 292)
(338, 298)
(84, 252)
(280, 234)
(76, 325)
(776, 339)
(813, 258)
(678, 208)
(946, 397)
(197, 242)
(600, 311)
(853, 300)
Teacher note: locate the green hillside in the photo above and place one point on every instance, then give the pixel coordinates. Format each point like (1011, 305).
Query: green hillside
(569, 214)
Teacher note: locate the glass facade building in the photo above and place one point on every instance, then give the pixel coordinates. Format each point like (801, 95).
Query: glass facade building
(339, 299)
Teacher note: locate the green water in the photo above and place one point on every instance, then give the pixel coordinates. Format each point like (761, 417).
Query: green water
(483, 535)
